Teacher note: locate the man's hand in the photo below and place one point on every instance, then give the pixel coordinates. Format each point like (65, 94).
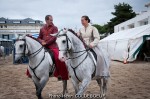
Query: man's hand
(78, 34)
(43, 43)
(91, 46)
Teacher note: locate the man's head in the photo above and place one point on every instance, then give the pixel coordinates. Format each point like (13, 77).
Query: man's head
(49, 20)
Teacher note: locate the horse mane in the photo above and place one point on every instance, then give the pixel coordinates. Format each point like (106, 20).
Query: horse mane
(30, 36)
(33, 38)
(79, 37)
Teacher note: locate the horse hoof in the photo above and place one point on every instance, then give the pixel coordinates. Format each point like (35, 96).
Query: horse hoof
(103, 96)
(62, 98)
(40, 98)
(67, 91)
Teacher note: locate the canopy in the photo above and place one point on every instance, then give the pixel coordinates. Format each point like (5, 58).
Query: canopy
(125, 45)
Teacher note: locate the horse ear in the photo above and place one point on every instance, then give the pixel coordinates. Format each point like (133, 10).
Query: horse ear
(23, 37)
(65, 30)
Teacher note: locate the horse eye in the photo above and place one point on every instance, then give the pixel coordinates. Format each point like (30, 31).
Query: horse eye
(63, 41)
(21, 46)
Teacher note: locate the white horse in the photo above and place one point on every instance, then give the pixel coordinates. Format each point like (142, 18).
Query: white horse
(40, 62)
(2, 52)
(80, 64)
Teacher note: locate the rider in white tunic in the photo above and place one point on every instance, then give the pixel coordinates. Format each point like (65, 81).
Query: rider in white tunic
(91, 37)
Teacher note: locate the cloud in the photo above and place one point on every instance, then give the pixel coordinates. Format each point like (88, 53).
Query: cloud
(66, 13)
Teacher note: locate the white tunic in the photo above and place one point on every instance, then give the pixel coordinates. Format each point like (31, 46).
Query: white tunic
(90, 35)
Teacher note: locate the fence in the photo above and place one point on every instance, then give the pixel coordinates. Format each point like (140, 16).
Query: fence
(8, 46)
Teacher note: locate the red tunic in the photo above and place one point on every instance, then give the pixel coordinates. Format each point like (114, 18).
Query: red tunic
(61, 69)
(45, 32)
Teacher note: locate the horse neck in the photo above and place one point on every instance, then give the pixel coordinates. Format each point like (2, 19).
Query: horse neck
(77, 45)
(33, 46)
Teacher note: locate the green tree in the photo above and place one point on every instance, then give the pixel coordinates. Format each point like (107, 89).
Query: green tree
(123, 12)
(98, 27)
(101, 29)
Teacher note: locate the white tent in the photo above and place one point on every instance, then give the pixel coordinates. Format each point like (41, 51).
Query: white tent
(125, 45)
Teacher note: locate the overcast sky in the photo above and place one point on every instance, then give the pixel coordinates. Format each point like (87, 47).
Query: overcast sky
(66, 13)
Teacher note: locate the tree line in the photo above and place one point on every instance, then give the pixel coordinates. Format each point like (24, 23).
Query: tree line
(123, 12)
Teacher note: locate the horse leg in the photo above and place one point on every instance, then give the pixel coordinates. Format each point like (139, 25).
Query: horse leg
(42, 82)
(105, 80)
(83, 86)
(37, 85)
(103, 86)
(75, 85)
(65, 87)
(100, 83)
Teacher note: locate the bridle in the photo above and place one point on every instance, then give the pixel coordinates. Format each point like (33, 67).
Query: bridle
(67, 40)
(26, 47)
(68, 50)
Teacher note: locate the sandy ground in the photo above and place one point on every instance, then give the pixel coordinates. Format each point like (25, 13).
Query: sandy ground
(128, 81)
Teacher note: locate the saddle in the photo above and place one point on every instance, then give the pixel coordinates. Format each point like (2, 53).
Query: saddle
(95, 56)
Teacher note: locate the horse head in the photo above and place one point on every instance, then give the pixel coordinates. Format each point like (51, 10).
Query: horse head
(20, 47)
(64, 43)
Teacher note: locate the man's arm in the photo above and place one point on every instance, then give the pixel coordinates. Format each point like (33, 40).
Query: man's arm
(53, 38)
(40, 38)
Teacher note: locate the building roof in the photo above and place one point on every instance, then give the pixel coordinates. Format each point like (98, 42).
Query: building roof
(20, 21)
(147, 5)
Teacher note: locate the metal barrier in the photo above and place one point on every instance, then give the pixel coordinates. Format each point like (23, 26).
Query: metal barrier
(8, 47)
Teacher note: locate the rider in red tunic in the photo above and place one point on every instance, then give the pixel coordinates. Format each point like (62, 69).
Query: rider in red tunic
(48, 41)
